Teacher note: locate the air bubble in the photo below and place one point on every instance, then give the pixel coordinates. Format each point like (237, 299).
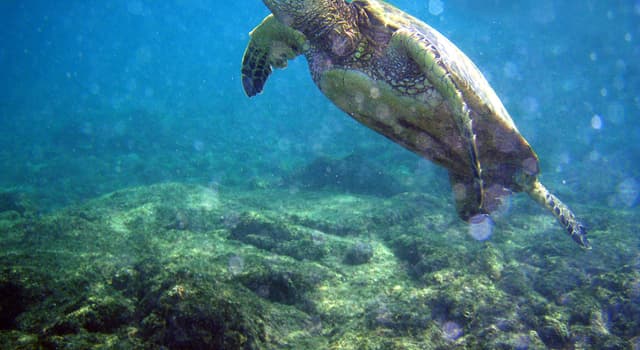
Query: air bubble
(236, 265)
(451, 330)
(436, 7)
(628, 191)
(383, 111)
(511, 70)
(135, 8)
(596, 122)
(480, 227)
(198, 145)
(374, 92)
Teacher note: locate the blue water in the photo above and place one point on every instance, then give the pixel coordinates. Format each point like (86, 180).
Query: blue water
(97, 96)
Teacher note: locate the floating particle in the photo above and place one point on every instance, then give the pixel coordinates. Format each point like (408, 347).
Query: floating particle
(135, 8)
(596, 122)
(628, 191)
(436, 7)
(531, 104)
(451, 330)
(544, 12)
(615, 113)
(511, 70)
(603, 92)
(198, 145)
(236, 265)
(618, 82)
(480, 227)
(383, 111)
(94, 89)
(523, 342)
(374, 93)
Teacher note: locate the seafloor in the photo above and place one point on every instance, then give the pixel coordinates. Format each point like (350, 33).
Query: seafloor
(179, 266)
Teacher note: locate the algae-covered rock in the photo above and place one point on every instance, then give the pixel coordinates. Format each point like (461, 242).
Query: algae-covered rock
(188, 267)
(353, 173)
(12, 302)
(16, 201)
(187, 317)
(280, 237)
(358, 253)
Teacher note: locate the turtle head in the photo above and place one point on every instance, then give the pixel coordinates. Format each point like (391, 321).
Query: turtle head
(328, 24)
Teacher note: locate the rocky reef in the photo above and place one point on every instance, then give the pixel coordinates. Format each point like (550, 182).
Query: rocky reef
(179, 266)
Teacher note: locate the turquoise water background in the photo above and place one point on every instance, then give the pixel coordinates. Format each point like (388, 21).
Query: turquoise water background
(97, 96)
(103, 96)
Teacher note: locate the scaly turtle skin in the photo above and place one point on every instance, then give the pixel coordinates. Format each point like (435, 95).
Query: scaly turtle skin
(402, 78)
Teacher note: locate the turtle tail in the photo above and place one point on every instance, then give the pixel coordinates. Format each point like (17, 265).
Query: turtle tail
(565, 216)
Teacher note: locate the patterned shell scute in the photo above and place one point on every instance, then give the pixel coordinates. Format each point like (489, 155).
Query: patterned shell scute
(463, 71)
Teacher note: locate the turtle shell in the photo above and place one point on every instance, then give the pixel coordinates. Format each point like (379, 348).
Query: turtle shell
(391, 94)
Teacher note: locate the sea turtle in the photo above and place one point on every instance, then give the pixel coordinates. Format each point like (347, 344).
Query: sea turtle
(402, 78)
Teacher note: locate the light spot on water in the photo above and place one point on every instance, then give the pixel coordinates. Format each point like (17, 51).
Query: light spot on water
(374, 92)
(236, 265)
(544, 12)
(603, 92)
(135, 8)
(593, 56)
(635, 343)
(459, 191)
(530, 166)
(627, 37)
(596, 122)
(505, 145)
(594, 156)
(436, 7)
(511, 70)
(451, 330)
(500, 208)
(359, 98)
(564, 158)
(480, 227)
(383, 111)
(94, 89)
(284, 145)
(522, 342)
(628, 191)
(198, 145)
(615, 113)
(618, 82)
(531, 104)
(317, 237)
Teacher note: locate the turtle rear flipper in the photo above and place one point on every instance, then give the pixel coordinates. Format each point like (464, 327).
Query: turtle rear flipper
(272, 44)
(565, 216)
(467, 196)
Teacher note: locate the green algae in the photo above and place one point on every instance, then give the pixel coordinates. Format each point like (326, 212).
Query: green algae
(185, 266)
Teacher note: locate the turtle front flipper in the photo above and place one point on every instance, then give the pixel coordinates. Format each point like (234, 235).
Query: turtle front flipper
(565, 216)
(272, 44)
